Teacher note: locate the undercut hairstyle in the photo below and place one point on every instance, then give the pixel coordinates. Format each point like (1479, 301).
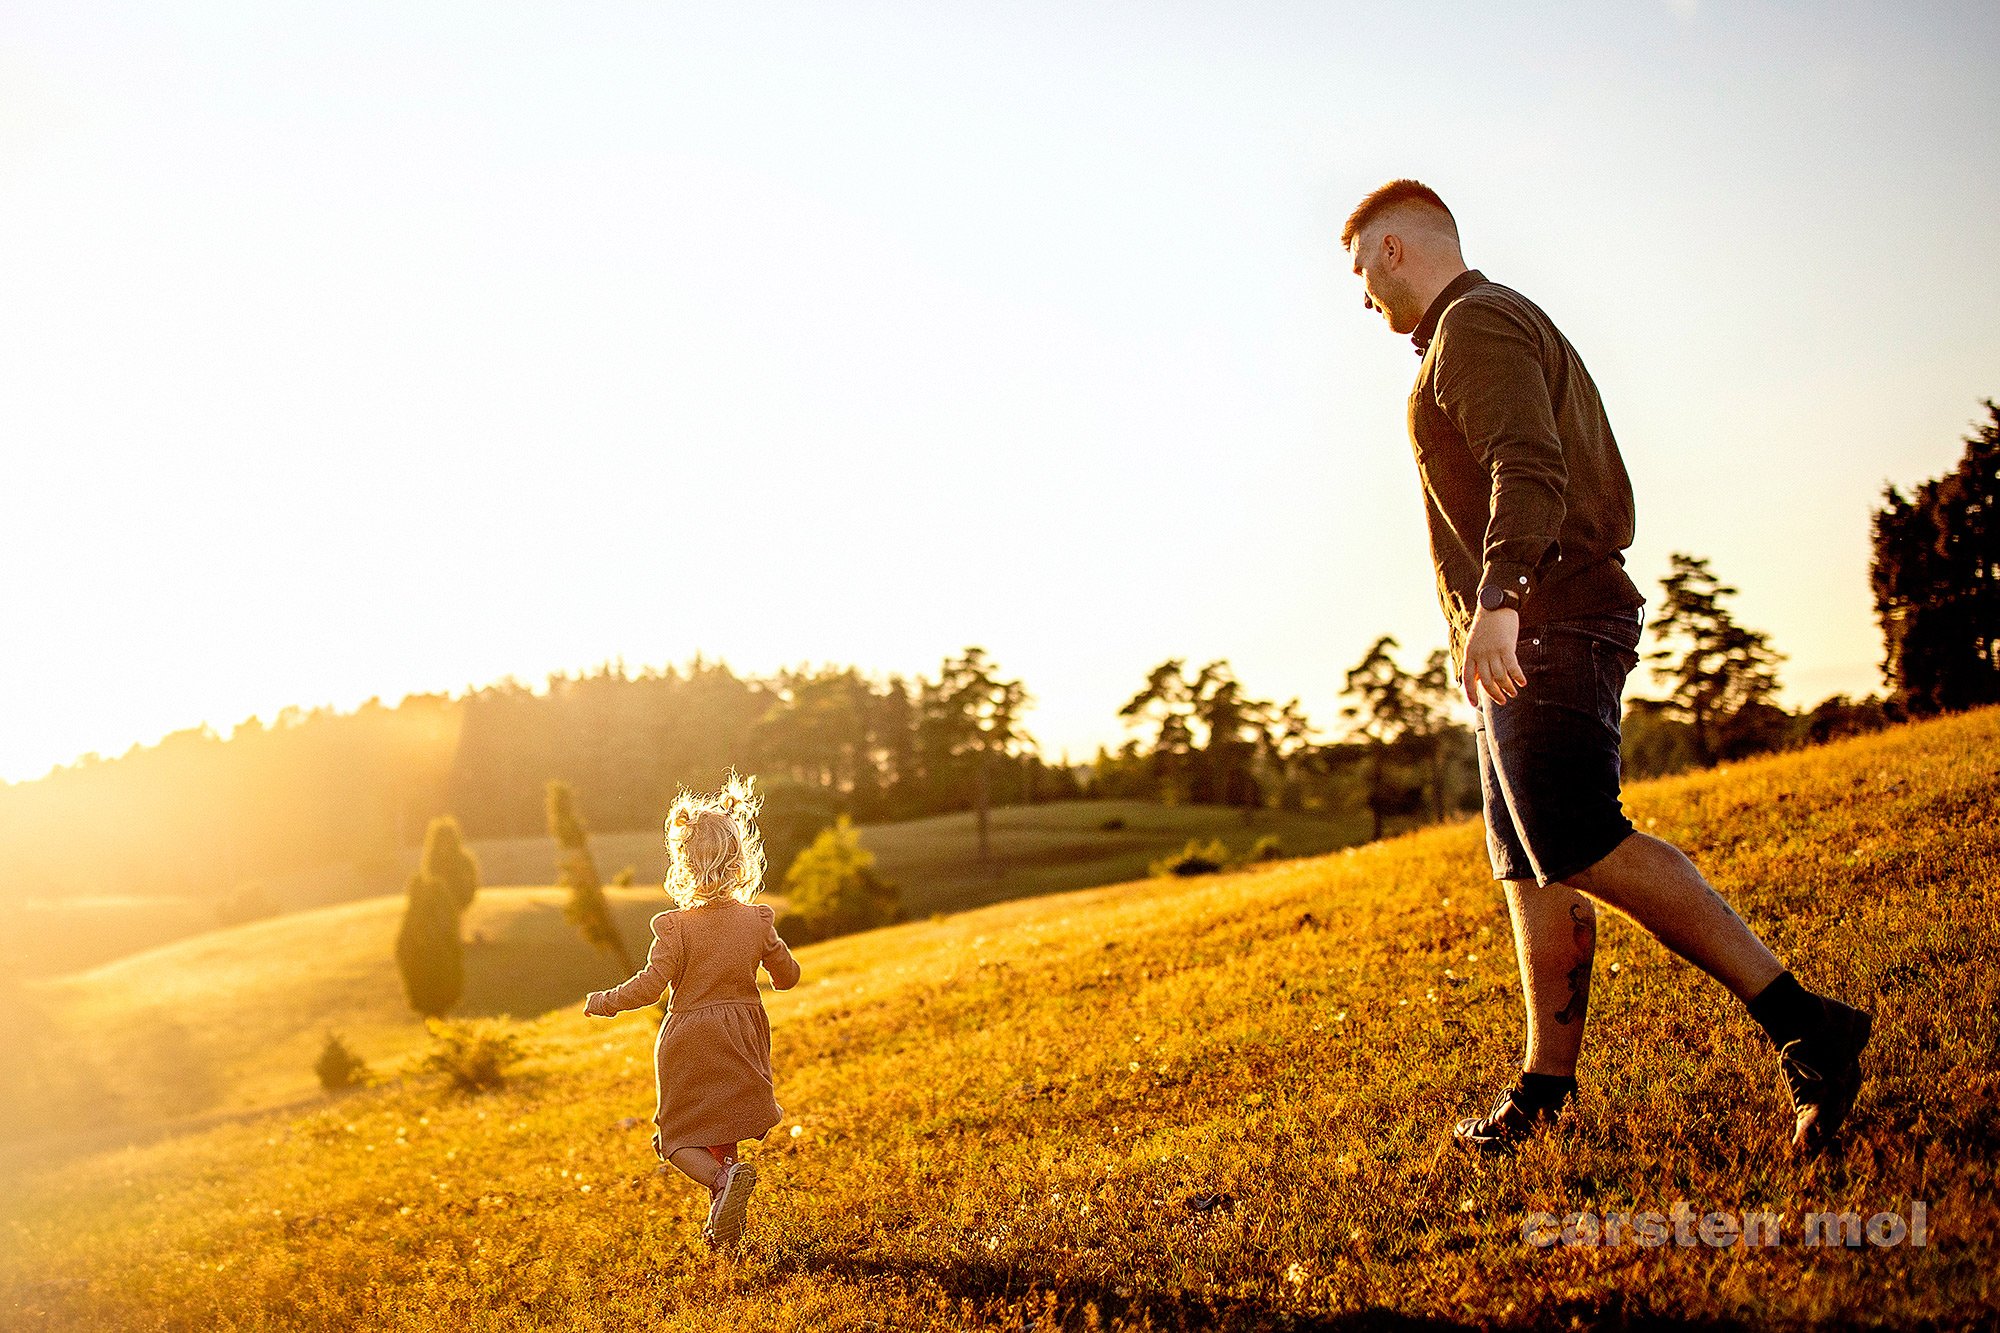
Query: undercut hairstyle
(1393, 195)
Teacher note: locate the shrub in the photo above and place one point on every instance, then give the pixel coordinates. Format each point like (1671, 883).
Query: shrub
(1197, 858)
(1267, 848)
(446, 862)
(428, 952)
(832, 888)
(475, 1055)
(1111, 825)
(338, 1066)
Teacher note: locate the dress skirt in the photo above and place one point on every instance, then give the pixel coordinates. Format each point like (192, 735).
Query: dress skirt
(712, 1066)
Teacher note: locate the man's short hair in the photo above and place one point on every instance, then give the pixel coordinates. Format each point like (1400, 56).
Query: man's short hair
(1383, 198)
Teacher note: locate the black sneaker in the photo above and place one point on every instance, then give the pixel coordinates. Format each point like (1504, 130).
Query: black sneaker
(1512, 1119)
(1823, 1072)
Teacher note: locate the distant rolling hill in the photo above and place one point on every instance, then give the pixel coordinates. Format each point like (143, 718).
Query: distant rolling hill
(1036, 849)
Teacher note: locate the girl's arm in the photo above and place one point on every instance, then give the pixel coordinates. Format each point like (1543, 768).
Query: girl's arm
(778, 960)
(649, 983)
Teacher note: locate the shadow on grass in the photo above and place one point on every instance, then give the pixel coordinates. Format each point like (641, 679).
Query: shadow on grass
(992, 1291)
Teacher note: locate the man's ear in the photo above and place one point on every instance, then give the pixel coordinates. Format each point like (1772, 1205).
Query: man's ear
(1392, 251)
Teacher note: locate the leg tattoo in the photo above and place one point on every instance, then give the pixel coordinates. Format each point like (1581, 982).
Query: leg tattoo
(1583, 922)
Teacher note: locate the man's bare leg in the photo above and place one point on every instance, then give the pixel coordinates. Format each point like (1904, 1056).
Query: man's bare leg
(1555, 941)
(1656, 885)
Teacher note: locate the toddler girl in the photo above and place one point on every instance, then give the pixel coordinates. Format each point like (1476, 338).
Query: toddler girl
(713, 1061)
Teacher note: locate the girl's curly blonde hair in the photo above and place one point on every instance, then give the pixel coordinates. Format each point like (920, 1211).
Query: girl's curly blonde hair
(713, 848)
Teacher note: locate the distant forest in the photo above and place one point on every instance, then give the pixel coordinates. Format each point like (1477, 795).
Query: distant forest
(200, 813)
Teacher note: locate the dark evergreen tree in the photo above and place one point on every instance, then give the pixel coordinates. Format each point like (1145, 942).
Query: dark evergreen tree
(1429, 726)
(1166, 702)
(973, 719)
(576, 870)
(1719, 675)
(446, 861)
(428, 952)
(1386, 706)
(1936, 578)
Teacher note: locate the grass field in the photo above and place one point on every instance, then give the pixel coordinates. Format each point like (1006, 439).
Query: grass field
(1175, 1104)
(231, 1019)
(1036, 849)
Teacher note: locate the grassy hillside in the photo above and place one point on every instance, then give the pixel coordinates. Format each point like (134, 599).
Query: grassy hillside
(1211, 1103)
(234, 1018)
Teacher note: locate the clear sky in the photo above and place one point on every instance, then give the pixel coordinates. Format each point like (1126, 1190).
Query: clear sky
(363, 349)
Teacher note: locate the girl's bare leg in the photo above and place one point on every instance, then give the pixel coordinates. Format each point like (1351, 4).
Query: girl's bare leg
(697, 1164)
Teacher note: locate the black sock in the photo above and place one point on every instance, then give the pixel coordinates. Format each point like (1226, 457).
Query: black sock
(1544, 1090)
(1787, 1011)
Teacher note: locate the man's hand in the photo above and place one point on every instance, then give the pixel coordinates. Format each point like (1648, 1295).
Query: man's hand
(1489, 656)
(596, 1006)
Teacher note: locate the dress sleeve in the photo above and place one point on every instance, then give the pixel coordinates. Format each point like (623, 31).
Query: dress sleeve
(778, 960)
(663, 966)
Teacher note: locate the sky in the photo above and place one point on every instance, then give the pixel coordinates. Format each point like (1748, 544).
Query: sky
(362, 350)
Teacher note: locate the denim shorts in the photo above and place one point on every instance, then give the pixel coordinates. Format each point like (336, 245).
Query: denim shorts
(1548, 757)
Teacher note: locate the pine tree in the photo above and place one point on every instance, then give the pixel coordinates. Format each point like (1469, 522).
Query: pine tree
(428, 952)
(586, 908)
(1717, 669)
(1936, 577)
(447, 862)
(1388, 707)
(974, 715)
(1429, 723)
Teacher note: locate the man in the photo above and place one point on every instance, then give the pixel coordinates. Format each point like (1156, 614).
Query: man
(1530, 512)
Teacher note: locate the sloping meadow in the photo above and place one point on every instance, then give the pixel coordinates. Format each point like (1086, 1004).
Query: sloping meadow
(1222, 1102)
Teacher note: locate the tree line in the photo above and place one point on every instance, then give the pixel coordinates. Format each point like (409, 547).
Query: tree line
(204, 815)
(200, 813)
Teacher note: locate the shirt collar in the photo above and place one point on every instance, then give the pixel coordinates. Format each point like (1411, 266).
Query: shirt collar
(1454, 289)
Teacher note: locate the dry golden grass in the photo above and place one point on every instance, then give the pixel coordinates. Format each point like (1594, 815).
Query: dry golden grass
(1011, 1118)
(232, 1019)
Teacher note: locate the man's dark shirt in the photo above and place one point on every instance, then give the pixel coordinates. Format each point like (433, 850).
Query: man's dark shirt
(1523, 484)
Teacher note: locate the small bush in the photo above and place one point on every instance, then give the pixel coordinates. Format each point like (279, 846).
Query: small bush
(625, 878)
(832, 889)
(1112, 825)
(475, 1055)
(338, 1067)
(1197, 858)
(1267, 848)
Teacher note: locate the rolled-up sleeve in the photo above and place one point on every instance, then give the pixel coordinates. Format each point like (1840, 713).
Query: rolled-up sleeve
(778, 960)
(663, 966)
(1491, 384)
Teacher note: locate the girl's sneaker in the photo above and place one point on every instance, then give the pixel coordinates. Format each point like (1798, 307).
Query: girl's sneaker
(732, 1201)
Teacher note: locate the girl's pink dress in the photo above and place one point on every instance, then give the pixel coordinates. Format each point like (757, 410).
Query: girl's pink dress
(713, 1060)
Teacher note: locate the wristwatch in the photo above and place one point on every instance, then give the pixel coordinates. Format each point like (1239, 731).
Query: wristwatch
(1493, 597)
